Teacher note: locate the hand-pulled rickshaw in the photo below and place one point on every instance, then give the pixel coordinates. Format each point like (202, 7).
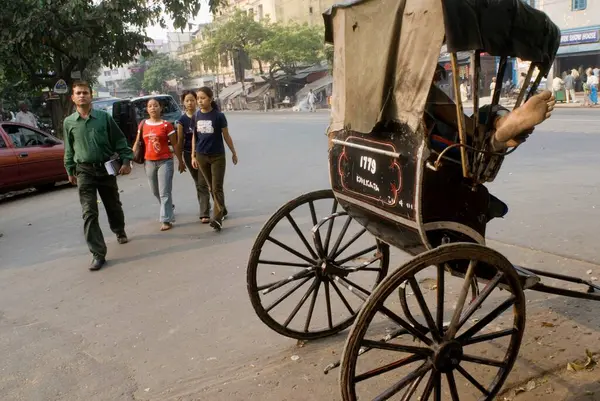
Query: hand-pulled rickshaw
(395, 176)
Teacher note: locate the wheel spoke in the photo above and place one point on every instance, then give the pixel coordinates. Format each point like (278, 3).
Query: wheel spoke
(396, 347)
(488, 337)
(424, 309)
(330, 227)
(280, 263)
(354, 285)
(452, 329)
(292, 251)
(473, 381)
(328, 302)
(437, 390)
(429, 386)
(487, 320)
(267, 288)
(302, 301)
(483, 361)
(390, 392)
(365, 266)
(440, 299)
(356, 255)
(311, 308)
(340, 237)
(313, 214)
(344, 300)
(349, 243)
(480, 299)
(404, 324)
(452, 385)
(412, 389)
(387, 368)
(302, 237)
(287, 294)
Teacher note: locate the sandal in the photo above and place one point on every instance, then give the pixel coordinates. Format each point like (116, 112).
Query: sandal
(204, 220)
(166, 226)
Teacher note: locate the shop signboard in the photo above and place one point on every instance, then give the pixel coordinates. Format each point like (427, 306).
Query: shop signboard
(580, 37)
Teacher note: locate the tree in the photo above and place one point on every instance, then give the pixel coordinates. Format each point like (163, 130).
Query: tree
(288, 46)
(162, 68)
(44, 40)
(235, 36)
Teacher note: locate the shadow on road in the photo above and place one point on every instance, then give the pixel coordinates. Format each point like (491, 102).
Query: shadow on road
(31, 192)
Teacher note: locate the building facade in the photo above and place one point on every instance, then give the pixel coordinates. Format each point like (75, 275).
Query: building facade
(579, 22)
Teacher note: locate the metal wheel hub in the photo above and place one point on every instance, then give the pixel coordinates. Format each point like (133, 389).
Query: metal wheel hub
(327, 268)
(448, 356)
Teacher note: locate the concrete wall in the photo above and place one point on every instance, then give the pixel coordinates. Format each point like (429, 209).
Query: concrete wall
(562, 14)
(302, 11)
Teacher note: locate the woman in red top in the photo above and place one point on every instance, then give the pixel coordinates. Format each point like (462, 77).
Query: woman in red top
(157, 134)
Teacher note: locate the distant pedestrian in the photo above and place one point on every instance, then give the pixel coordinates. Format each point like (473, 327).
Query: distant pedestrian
(185, 133)
(157, 134)
(24, 116)
(570, 87)
(311, 101)
(91, 138)
(208, 155)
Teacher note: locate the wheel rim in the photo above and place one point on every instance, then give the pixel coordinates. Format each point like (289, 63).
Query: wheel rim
(451, 357)
(307, 296)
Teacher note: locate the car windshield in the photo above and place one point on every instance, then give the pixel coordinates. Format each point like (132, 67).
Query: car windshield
(170, 109)
(105, 105)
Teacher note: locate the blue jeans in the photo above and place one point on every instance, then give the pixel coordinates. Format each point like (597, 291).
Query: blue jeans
(160, 178)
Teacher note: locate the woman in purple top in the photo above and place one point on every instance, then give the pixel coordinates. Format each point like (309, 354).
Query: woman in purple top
(208, 154)
(185, 132)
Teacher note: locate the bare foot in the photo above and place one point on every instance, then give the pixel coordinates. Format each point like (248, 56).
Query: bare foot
(522, 120)
(166, 226)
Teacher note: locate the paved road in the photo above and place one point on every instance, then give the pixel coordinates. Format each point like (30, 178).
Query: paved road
(169, 318)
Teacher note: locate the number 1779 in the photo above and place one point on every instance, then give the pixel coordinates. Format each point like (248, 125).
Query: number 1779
(368, 163)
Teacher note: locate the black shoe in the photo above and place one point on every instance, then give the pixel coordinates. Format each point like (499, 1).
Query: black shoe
(122, 238)
(225, 213)
(97, 264)
(216, 224)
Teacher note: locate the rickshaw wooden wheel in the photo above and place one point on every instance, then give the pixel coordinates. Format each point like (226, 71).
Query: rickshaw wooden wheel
(325, 270)
(428, 364)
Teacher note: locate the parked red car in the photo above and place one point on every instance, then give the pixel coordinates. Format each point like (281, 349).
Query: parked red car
(29, 158)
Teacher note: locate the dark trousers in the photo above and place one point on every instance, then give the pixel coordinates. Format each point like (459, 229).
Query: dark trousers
(93, 180)
(212, 167)
(202, 191)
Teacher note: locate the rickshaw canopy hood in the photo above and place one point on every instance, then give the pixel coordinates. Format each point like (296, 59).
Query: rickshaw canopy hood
(386, 51)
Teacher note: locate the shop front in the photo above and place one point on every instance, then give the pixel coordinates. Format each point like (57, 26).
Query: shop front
(579, 49)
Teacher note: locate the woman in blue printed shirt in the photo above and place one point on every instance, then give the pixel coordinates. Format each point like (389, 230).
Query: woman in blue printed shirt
(208, 155)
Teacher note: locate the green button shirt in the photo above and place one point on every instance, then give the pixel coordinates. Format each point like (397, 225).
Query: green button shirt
(93, 140)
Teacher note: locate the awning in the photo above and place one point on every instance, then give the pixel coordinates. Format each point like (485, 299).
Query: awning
(259, 92)
(230, 90)
(315, 86)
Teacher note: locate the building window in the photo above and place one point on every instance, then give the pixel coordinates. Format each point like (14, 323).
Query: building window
(107, 73)
(251, 12)
(115, 72)
(578, 5)
(310, 10)
(260, 11)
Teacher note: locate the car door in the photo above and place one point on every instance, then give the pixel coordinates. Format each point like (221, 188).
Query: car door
(124, 115)
(9, 164)
(38, 161)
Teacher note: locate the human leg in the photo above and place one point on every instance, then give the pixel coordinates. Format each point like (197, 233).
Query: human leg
(109, 193)
(218, 166)
(204, 177)
(165, 186)
(87, 187)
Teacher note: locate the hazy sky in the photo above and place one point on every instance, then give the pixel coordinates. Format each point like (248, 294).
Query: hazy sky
(156, 32)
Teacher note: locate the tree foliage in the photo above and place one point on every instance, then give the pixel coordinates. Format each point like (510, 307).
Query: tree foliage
(44, 40)
(162, 68)
(288, 46)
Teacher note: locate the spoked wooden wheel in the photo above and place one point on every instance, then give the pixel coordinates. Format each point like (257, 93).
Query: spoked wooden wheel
(458, 350)
(306, 263)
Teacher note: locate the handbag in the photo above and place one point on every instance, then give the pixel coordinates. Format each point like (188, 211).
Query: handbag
(139, 150)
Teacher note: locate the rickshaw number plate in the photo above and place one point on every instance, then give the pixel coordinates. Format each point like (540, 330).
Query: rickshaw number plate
(370, 169)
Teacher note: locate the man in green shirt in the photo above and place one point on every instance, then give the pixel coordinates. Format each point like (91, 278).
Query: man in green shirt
(91, 138)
